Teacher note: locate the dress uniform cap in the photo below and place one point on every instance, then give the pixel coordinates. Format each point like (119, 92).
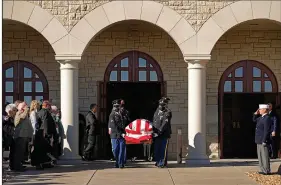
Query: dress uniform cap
(116, 102)
(263, 106)
(164, 100)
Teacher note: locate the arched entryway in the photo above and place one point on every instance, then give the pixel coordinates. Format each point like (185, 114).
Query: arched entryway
(243, 86)
(23, 81)
(135, 77)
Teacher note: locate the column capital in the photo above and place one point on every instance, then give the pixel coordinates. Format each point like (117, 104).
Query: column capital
(197, 61)
(68, 61)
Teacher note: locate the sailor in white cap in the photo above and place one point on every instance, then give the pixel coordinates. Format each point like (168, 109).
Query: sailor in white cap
(262, 137)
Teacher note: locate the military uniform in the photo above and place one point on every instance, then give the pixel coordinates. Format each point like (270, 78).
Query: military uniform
(274, 145)
(262, 139)
(125, 122)
(162, 132)
(117, 132)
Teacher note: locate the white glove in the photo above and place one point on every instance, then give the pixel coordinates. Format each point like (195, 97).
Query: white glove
(264, 144)
(155, 135)
(123, 135)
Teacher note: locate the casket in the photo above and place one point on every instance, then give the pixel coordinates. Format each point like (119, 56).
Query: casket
(139, 132)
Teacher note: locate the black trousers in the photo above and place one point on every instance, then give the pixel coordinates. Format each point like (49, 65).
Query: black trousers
(11, 155)
(274, 147)
(89, 147)
(20, 148)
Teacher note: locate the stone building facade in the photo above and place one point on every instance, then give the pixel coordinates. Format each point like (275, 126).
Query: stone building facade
(194, 42)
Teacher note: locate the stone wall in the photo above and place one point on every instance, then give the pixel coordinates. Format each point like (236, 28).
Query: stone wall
(262, 46)
(155, 43)
(21, 42)
(69, 12)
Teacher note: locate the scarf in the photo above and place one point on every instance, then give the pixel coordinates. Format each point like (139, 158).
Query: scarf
(21, 115)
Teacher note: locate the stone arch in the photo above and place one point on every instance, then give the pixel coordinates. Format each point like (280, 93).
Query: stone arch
(116, 11)
(228, 17)
(36, 17)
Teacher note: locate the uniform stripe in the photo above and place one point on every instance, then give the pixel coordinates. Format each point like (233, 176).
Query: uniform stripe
(166, 148)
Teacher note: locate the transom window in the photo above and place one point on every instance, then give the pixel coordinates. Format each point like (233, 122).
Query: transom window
(133, 66)
(248, 77)
(23, 81)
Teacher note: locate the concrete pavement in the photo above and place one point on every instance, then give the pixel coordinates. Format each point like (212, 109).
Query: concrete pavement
(220, 172)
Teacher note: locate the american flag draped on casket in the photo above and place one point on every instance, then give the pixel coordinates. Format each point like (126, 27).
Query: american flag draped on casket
(139, 131)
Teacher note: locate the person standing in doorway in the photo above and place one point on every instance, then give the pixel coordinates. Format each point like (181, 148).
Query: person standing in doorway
(275, 132)
(126, 121)
(116, 131)
(162, 132)
(91, 130)
(262, 137)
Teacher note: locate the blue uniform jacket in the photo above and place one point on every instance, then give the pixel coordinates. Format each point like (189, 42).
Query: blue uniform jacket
(263, 129)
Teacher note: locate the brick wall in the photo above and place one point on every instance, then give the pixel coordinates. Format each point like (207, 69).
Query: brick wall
(21, 42)
(262, 46)
(155, 43)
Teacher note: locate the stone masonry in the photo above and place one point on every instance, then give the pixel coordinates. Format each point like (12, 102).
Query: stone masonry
(69, 12)
(23, 43)
(235, 45)
(154, 42)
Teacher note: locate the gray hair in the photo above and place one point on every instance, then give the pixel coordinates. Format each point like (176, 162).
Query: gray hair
(10, 107)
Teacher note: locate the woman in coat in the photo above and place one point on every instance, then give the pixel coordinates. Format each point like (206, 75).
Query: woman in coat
(23, 134)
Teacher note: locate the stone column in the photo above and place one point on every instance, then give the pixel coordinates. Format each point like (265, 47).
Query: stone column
(197, 112)
(69, 105)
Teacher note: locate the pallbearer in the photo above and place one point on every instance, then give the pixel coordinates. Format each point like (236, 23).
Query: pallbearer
(162, 132)
(117, 132)
(262, 137)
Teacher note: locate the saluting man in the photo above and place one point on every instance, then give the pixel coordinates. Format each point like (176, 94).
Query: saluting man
(116, 130)
(262, 137)
(162, 132)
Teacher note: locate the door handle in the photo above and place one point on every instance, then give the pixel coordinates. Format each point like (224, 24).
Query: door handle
(233, 124)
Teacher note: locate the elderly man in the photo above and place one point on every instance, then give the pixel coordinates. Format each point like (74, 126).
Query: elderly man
(262, 137)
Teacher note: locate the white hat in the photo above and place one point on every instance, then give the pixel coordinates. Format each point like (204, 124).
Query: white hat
(263, 106)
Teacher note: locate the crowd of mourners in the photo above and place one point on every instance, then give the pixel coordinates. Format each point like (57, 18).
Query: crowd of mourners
(32, 133)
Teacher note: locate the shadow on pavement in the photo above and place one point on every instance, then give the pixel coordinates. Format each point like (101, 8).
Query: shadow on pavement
(64, 170)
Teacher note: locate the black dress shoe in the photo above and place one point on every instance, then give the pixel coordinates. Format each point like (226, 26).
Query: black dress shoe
(261, 173)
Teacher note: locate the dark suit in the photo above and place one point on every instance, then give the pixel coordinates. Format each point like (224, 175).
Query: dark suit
(91, 132)
(262, 139)
(274, 139)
